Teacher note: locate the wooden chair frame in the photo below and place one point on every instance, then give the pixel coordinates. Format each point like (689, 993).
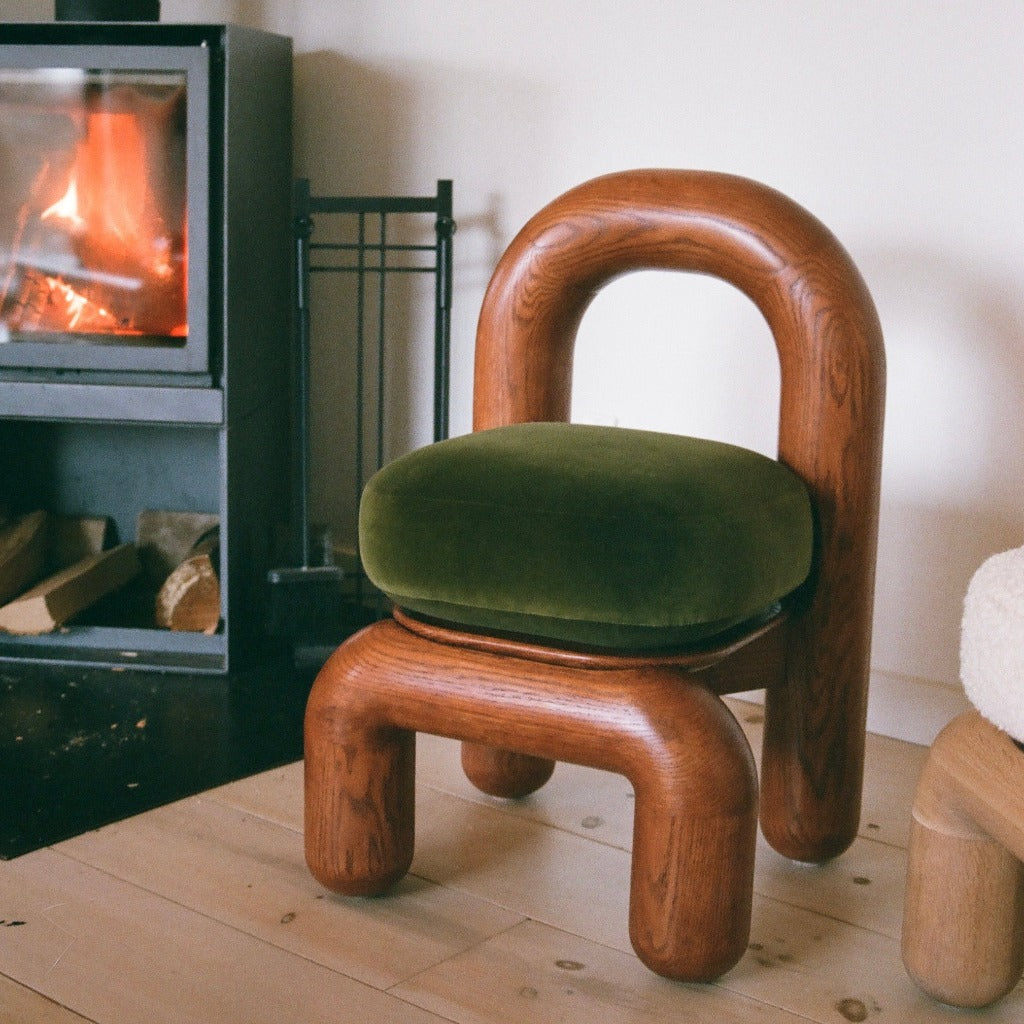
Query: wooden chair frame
(519, 707)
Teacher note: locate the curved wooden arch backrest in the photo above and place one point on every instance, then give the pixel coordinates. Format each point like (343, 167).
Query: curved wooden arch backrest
(814, 300)
(830, 351)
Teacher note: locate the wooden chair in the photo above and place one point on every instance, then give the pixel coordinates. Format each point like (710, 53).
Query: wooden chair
(520, 702)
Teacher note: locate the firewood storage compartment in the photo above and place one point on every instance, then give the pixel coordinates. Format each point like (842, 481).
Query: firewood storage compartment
(145, 309)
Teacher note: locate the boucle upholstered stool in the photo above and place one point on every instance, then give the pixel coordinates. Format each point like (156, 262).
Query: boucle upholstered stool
(963, 930)
(578, 593)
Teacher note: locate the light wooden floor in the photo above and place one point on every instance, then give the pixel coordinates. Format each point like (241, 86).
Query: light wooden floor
(203, 911)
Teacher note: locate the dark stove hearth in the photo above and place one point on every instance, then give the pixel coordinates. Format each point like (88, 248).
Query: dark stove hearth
(80, 748)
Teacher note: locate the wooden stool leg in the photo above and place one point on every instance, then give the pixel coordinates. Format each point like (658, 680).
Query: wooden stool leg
(359, 793)
(504, 773)
(963, 926)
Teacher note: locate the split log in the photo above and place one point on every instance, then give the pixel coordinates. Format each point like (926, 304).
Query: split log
(73, 538)
(189, 599)
(58, 598)
(22, 553)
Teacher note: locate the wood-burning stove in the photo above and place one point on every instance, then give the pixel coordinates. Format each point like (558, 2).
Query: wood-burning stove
(145, 188)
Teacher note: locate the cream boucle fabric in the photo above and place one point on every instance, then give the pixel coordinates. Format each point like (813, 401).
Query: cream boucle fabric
(992, 641)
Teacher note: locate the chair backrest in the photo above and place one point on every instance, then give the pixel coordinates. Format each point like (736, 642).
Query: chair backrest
(820, 313)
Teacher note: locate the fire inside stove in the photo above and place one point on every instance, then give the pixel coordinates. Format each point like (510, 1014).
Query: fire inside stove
(93, 207)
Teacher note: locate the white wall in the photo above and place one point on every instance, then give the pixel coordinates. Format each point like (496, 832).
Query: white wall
(898, 123)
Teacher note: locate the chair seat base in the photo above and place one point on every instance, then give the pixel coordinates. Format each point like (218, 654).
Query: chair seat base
(694, 658)
(684, 753)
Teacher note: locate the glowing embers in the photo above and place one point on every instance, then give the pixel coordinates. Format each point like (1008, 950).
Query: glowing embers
(72, 310)
(98, 249)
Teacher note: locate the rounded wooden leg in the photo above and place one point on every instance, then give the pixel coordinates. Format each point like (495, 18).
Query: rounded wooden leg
(359, 793)
(504, 773)
(812, 764)
(963, 926)
(694, 837)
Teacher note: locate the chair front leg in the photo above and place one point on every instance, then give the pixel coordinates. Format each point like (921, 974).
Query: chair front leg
(694, 836)
(963, 926)
(359, 793)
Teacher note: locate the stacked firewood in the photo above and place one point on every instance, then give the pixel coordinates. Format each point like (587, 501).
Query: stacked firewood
(54, 568)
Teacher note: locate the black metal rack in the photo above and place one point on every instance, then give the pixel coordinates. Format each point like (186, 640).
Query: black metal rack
(370, 254)
(372, 239)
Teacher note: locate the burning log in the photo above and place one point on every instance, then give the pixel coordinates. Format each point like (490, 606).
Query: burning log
(45, 303)
(58, 598)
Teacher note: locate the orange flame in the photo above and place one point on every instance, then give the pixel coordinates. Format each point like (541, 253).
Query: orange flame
(111, 215)
(109, 201)
(66, 208)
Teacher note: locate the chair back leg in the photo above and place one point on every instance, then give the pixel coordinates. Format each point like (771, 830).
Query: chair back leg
(504, 773)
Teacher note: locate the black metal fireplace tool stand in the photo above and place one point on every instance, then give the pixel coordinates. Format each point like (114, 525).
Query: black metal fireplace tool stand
(373, 241)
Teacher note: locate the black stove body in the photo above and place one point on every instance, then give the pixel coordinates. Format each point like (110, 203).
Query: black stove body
(145, 300)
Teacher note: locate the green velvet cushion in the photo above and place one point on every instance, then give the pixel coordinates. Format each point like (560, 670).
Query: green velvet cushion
(622, 539)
